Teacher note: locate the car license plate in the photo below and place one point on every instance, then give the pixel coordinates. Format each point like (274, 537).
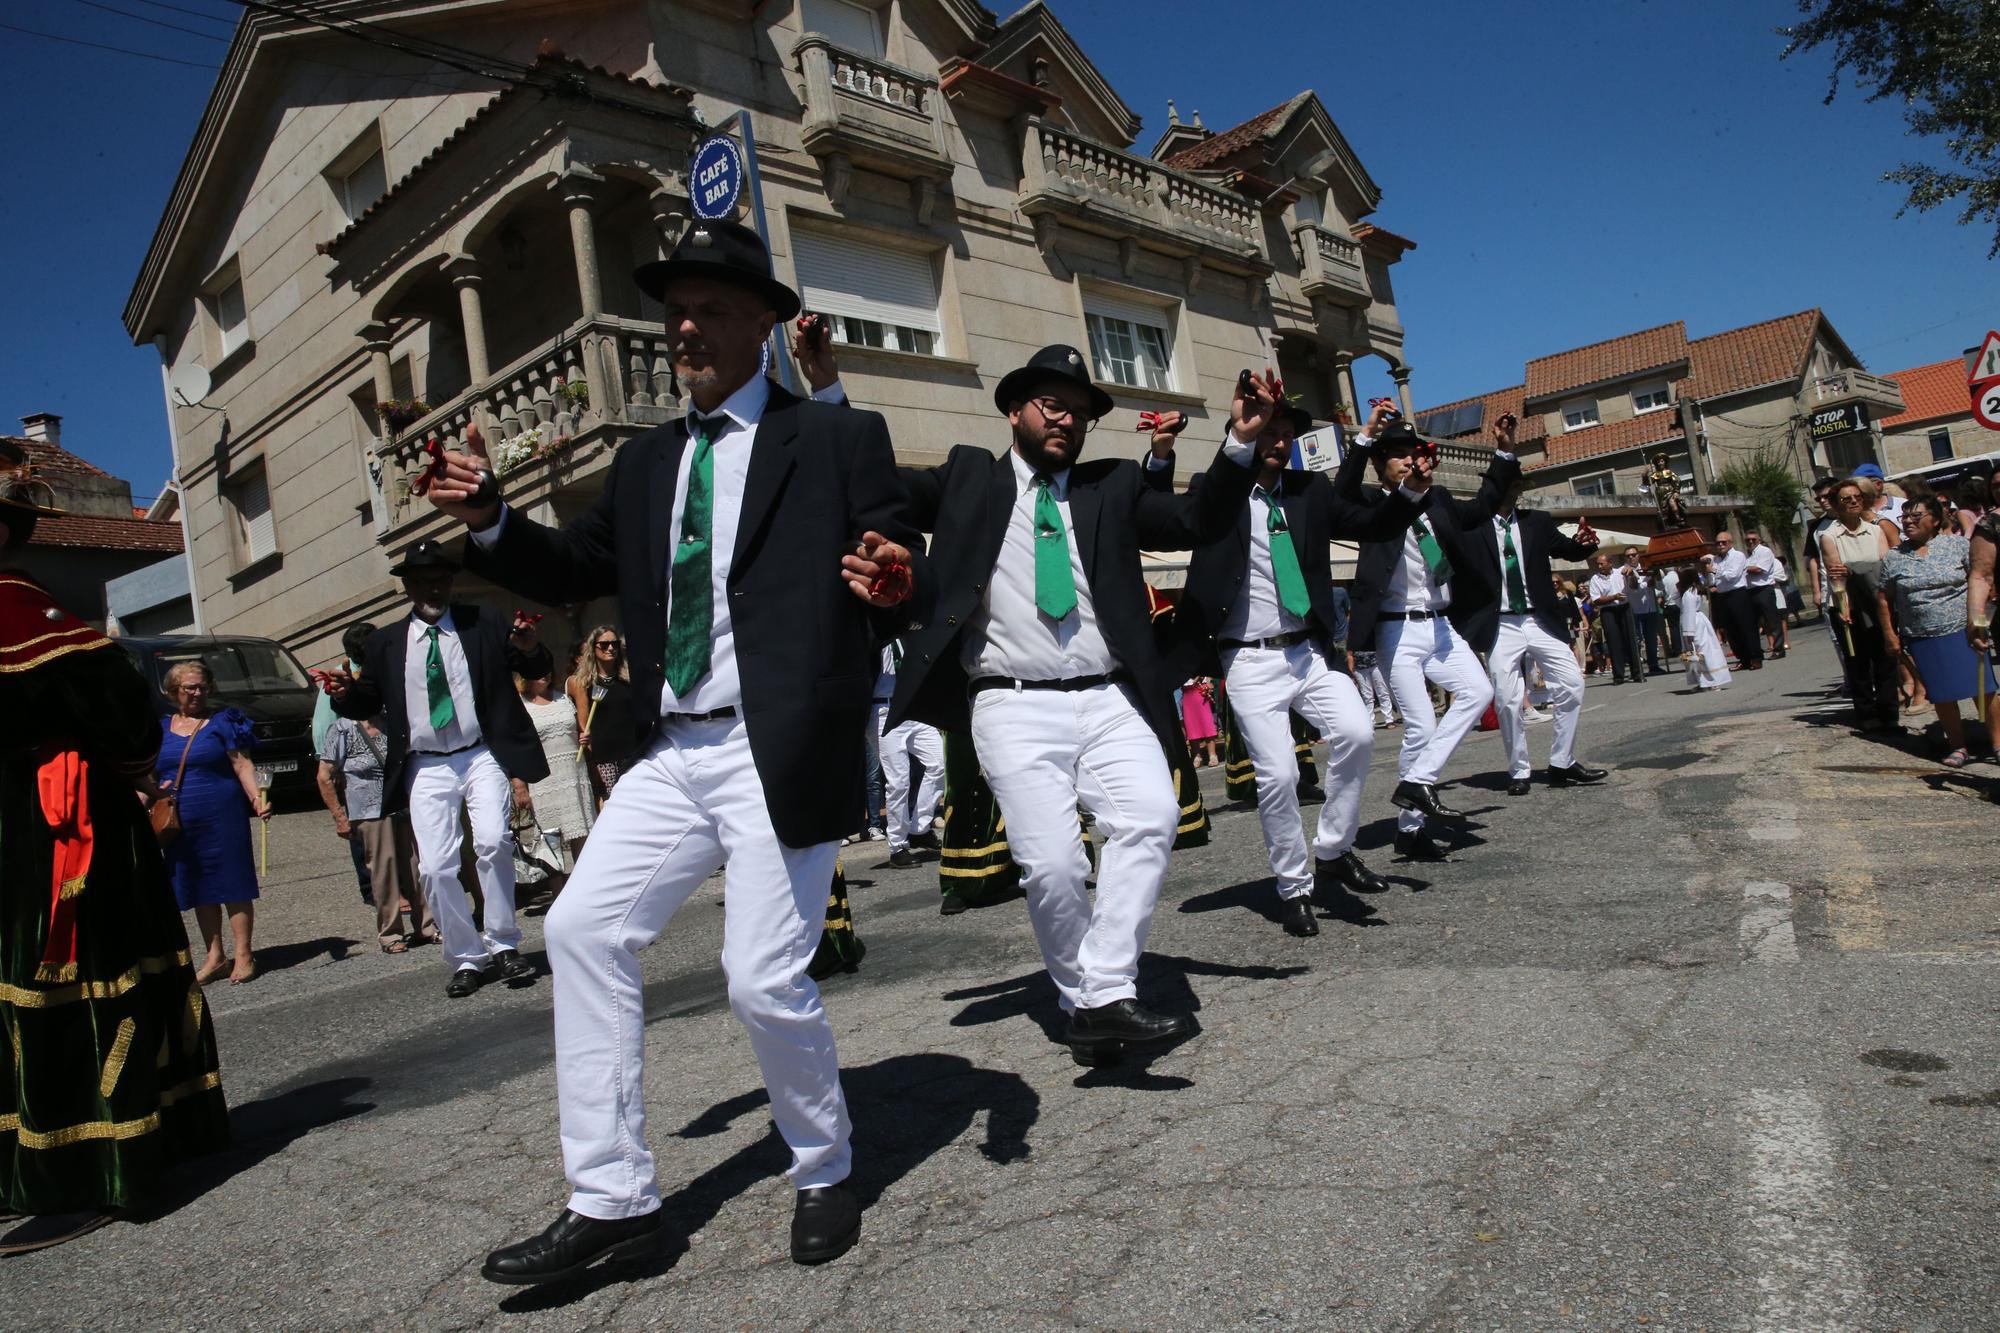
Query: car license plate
(282, 766)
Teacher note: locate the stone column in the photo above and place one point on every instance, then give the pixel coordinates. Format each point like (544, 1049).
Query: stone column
(669, 217)
(463, 270)
(375, 337)
(1343, 385)
(1401, 374)
(579, 192)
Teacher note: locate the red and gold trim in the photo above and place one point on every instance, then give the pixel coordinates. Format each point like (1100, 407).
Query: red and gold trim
(34, 630)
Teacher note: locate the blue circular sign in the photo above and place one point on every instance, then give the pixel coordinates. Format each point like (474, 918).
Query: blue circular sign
(715, 177)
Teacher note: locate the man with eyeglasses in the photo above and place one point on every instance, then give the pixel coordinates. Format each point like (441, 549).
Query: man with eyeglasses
(1041, 646)
(1729, 571)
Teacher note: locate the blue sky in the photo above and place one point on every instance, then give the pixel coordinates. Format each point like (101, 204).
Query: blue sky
(1570, 170)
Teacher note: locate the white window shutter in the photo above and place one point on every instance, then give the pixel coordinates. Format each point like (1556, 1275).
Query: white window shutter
(253, 504)
(842, 276)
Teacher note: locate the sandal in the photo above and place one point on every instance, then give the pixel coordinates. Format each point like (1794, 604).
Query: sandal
(238, 979)
(1958, 758)
(203, 976)
(396, 946)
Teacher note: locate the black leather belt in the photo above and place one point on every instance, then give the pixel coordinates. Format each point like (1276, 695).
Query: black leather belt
(1069, 685)
(714, 715)
(1410, 615)
(1275, 641)
(446, 754)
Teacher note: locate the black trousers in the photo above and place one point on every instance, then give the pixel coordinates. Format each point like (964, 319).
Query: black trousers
(1738, 613)
(1621, 640)
(1771, 611)
(1871, 676)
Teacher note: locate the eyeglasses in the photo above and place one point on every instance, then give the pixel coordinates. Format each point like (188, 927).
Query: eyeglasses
(1055, 409)
(606, 646)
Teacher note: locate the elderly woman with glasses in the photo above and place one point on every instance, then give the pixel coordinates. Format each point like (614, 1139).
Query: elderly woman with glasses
(1924, 586)
(601, 693)
(205, 761)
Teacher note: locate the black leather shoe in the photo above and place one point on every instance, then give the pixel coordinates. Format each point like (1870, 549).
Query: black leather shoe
(826, 1222)
(1517, 786)
(1296, 916)
(1418, 845)
(464, 981)
(1422, 796)
(902, 858)
(573, 1243)
(1347, 872)
(1099, 1036)
(1311, 791)
(1576, 775)
(514, 969)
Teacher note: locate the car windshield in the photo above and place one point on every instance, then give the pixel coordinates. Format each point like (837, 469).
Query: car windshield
(240, 666)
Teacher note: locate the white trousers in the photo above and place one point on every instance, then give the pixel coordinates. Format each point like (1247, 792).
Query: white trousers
(1265, 685)
(1375, 696)
(1419, 650)
(1044, 752)
(442, 785)
(1521, 638)
(899, 744)
(690, 804)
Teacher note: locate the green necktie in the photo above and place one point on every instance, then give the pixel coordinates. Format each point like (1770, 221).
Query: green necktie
(691, 612)
(1434, 556)
(443, 711)
(1517, 587)
(895, 657)
(1285, 561)
(1055, 585)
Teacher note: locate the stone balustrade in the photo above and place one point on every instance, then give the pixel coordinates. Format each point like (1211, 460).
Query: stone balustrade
(1330, 266)
(867, 111)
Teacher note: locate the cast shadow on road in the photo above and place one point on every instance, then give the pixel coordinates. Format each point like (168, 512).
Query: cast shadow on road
(905, 1110)
(1260, 897)
(278, 957)
(258, 1130)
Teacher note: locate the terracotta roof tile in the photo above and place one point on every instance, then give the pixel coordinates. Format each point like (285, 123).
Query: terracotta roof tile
(46, 457)
(1931, 392)
(1218, 147)
(1366, 231)
(1610, 438)
(107, 534)
(1744, 358)
(1614, 358)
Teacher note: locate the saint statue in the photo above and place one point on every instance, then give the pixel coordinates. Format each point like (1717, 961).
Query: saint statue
(1665, 484)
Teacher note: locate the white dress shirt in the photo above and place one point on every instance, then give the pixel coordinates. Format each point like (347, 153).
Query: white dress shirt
(1729, 570)
(1609, 585)
(1411, 587)
(1670, 588)
(462, 730)
(1759, 566)
(1008, 635)
(1503, 525)
(720, 686)
(1257, 613)
(1644, 600)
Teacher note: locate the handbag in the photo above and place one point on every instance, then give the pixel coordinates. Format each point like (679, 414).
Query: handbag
(166, 812)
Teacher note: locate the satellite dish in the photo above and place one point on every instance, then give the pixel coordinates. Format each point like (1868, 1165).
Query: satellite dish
(1319, 166)
(189, 384)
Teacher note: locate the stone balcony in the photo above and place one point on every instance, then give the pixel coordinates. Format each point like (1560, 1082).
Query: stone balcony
(552, 415)
(1885, 396)
(1330, 267)
(869, 113)
(1073, 181)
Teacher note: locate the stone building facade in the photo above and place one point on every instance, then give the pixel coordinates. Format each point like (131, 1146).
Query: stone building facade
(361, 227)
(1937, 425)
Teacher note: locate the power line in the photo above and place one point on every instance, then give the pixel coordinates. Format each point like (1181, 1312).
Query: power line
(158, 23)
(100, 46)
(183, 9)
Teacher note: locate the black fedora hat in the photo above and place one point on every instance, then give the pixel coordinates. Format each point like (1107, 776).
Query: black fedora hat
(1302, 420)
(426, 554)
(1057, 361)
(721, 252)
(1399, 436)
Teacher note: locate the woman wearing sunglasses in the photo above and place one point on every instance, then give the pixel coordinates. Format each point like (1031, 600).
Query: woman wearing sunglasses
(601, 692)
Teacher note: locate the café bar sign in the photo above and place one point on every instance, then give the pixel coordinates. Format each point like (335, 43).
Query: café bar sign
(1843, 420)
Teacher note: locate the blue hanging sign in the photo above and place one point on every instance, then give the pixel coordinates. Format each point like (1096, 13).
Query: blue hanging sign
(715, 177)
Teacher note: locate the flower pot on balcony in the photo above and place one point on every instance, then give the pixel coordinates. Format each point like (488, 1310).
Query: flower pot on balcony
(399, 414)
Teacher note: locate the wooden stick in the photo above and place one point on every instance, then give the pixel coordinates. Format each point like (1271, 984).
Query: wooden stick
(589, 721)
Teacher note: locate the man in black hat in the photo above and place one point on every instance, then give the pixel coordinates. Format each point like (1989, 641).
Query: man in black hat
(1402, 591)
(459, 738)
(1041, 645)
(753, 660)
(1259, 610)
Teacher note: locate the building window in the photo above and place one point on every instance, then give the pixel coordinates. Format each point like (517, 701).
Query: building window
(1579, 414)
(872, 295)
(225, 316)
(253, 531)
(359, 188)
(1130, 344)
(850, 26)
(1940, 444)
(1652, 397)
(1599, 485)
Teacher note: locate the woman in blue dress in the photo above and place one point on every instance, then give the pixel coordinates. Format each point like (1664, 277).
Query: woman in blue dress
(217, 794)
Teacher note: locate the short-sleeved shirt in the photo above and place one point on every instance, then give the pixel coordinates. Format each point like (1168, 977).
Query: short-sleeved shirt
(358, 756)
(1928, 590)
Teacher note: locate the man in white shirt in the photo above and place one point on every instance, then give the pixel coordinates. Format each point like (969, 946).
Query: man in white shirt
(1733, 605)
(1763, 572)
(1642, 585)
(1610, 597)
(898, 745)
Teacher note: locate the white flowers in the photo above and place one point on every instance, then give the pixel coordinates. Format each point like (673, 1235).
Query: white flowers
(536, 442)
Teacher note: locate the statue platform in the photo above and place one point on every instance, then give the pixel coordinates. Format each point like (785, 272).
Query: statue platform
(1675, 548)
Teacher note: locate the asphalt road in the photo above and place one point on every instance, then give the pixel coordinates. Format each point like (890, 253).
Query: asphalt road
(1710, 1046)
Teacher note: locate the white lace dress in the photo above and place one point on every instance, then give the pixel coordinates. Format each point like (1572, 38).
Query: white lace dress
(562, 799)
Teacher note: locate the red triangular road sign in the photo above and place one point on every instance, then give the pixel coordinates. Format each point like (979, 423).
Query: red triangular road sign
(1985, 363)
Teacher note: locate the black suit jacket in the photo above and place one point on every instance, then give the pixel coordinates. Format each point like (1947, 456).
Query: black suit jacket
(820, 476)
(1316, 514)
(1116, 512)
(1477, 614)
(491, 661)
(1449, 518)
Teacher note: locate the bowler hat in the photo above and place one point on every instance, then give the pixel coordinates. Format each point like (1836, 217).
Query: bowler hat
(1399, 436)
(426, 554)
(1057, 361)
(721, 252)
(1302, 420)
